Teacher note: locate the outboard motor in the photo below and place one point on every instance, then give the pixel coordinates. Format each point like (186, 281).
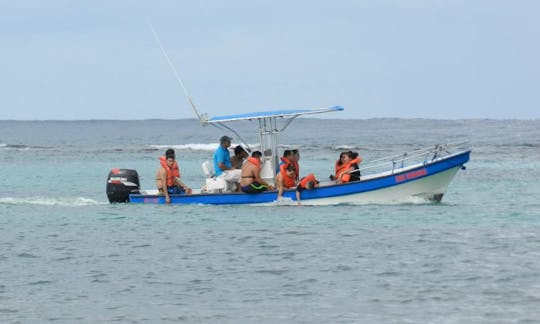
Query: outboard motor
(121, 183)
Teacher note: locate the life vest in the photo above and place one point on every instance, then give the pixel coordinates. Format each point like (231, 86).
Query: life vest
(341, 169)
(304, 181)
(254, 161)
(172, 173)
(288, 182)
(286, 162)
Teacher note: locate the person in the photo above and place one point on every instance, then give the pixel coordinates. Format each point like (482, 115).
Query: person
(251, 181)
(290, 157)
(285, 179)
(168, 177)
(222, 157)
(294, 159)
(355, 173)
(240, 154)
(223, 165)
(306, 183)
(284, 160)
(345, 166)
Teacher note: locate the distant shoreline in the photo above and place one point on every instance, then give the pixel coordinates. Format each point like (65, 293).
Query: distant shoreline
(306, 118)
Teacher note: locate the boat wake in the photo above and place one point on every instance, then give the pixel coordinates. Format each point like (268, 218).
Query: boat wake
(22, 147)
(50, 201)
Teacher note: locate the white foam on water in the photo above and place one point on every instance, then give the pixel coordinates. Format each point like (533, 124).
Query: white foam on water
(345, 147)
(195, 146)
(49, 201)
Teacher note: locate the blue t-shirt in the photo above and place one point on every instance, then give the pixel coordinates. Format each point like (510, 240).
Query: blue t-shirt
(222, 155)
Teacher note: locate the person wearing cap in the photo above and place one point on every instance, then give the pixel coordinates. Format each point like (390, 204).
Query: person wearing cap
(223, 165)
(222, 157)
(168, 177)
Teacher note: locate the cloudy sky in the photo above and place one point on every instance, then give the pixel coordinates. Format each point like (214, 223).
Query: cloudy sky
(444, 59)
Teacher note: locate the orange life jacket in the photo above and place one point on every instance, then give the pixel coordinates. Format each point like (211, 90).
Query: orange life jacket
(288, 182)
(341, 169)
(306, 179)
(286, 162)
(172, 173)
(254, 161)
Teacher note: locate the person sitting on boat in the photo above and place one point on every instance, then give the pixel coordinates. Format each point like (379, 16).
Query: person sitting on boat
(168, 177)
(306, 183)
(294, 159)
(285, 179)
(251, 181)
(240, 154)
(290, 157)
(346, 168)
(223, 165)
(355, 174)
(284, 160)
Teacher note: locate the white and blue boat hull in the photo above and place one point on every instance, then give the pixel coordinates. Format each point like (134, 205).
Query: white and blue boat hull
(426, 181)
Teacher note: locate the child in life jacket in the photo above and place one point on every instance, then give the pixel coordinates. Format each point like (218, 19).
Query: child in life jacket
(306, 183)
(286, 179)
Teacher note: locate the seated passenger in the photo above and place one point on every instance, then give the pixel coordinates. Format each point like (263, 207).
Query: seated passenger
(306, 183)
(355, 173)
(168, 177)
(285, 179)
(250, 179)
(294, 159)
(284, 160)
(222, 157)
(346, 166)
(223, 165)
(240, 154)
(290, 157)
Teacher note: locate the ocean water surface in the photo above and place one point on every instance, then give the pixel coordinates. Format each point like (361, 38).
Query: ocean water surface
(67, 255)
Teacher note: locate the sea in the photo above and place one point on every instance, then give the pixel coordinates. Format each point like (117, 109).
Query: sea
(68, 256)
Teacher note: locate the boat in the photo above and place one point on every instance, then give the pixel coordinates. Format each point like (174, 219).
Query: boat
(422, 174)
(418, 175)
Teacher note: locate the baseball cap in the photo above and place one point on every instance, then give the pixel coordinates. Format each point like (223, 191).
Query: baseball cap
(224, 139)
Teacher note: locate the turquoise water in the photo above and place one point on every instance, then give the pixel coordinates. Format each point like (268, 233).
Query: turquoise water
(68, 256)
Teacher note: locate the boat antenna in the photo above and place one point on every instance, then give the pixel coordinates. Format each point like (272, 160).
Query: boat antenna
(202, 118)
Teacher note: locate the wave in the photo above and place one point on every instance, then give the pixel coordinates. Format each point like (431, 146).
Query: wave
(49, 201)
(194, 146)
(345, 147)
(22, 147)
(517, 145)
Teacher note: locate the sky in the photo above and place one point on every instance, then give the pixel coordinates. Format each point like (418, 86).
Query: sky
(442, 59)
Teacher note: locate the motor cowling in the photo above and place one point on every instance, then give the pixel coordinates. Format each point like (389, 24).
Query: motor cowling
(121, 183)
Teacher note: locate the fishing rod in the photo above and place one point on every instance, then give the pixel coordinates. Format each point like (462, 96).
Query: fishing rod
(202, 117)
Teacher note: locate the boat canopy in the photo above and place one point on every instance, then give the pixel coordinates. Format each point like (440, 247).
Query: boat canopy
(268, 132)
(270, 114)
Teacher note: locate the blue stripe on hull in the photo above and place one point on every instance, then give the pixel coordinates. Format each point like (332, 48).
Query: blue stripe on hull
(422, 171)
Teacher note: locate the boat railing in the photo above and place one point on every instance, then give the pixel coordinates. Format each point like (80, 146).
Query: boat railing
(405, 159)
